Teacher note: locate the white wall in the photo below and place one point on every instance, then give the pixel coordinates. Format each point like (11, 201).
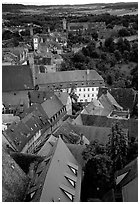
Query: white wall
(86, 94)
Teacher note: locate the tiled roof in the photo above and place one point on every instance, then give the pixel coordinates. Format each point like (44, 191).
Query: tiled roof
(22, 132)
(14, 180)
(56, 177)
(63, 96)
(93, 133)
(52, 106)
(130, 191)
(16, 78)
(103, 121)
(68, 76)
(131, 171)
(77, 150)
(39, 96)
(67, 132)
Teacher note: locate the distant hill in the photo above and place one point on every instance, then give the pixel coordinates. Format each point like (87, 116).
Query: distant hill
(12, 7)
(17, 7)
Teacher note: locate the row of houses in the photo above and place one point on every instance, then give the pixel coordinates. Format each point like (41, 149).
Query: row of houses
(58, 152)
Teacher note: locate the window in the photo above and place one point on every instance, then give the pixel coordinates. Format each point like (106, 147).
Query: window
(68, 191)
(85, 100)
(79, 89)
(84, 89)
(92, 89)
(73, 168)
(84, 95)
(97, 89)
(93, 95)
(71, 179)
(88, 95)
(88, 89)
(79, 94)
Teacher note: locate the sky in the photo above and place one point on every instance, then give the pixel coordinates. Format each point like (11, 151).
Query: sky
(61, 2)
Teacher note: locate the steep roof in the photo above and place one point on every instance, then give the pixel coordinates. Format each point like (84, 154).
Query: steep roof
(52, 106)
(67, 132)
(130, 191)
(55, 177)
(14, 180)
(130, 172)
(16, 78)
(68, 76)
(19, 134)
(63, 96)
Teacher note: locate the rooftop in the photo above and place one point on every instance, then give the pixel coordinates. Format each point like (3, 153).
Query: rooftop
(16, 78)
(20, 133)
(68, 77)
(58, 177)
(14, 180)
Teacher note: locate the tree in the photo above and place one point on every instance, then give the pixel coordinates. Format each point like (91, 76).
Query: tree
(97, 170)
(94, 35)
(117, 55)
(123, 32)
(117, 146)
(110, 79)
(134, 74)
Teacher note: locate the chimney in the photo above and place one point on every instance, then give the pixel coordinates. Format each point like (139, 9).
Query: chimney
(32, 66)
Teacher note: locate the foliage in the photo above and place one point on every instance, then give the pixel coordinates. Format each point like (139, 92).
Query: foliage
(117, 146)
(97, 170)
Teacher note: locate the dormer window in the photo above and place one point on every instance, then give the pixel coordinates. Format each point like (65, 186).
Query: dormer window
(73, 168)
(71, 179)
(68, 191)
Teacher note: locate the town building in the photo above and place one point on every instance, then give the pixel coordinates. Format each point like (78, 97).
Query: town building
(57, 178)
(84, 83)
(37, 123)
(16, 82)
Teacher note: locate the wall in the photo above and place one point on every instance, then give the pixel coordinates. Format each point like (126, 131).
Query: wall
(86, 94)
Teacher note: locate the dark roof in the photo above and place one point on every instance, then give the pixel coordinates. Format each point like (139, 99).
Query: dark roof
(52, 106)
(125, 97)
(68, 77)
(19, 134)
(39, 96)
(77, 150)
(67, 132)
(131, 171)
(93, 133)
(16, 78)
(51, 181)
(14, 180)
(103, 121)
